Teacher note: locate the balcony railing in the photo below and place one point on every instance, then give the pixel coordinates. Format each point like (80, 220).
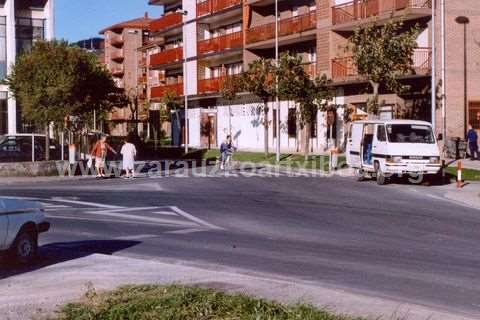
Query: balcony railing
(166, 22)
(166, 57)
(210, 85)
(222, 43)
(117, 55)
(116, 40)
(345, 68)
(363, 9)
(160, 91)
(117, 71)
(207, 7)
(285, 27)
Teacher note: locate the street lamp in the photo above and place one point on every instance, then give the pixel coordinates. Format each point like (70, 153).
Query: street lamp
(277, 102)
(185, 80)
(462, 20)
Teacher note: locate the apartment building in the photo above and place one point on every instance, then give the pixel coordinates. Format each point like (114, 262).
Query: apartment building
(22, 22)
(122, 41)
(195, 45)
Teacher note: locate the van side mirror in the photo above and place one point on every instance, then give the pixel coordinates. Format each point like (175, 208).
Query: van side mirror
(440, 137)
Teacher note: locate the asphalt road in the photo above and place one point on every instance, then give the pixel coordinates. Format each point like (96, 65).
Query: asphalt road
(385, 241)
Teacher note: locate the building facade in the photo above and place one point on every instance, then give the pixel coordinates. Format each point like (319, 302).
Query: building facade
(196, 44)
(22, 22)
(122, 41)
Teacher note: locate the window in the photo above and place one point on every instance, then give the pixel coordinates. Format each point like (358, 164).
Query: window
(292, 123)
(28, 31)
(381, 134)
(3, 113)
(410, 133)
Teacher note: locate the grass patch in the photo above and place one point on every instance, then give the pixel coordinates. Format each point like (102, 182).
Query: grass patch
(184, 303)
(320, 162)
(467, 174)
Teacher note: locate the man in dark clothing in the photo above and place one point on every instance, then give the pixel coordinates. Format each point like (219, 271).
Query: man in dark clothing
(226, 150)
(472, 140)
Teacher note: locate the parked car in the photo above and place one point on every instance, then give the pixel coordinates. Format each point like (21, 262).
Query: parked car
(18, 148)
(21, 222)
(395, 147)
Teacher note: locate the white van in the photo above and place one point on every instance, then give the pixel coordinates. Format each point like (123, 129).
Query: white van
(394, 147)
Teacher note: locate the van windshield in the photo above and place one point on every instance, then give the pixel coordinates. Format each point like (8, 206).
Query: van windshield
(409, 133)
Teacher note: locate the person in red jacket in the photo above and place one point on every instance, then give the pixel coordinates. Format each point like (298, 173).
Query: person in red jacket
(99, 153)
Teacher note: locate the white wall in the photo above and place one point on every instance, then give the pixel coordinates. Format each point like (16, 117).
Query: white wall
(247, 128)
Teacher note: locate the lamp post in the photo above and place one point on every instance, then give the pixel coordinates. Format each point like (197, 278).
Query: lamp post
(185, 80)
(462, 20)
(277, 102)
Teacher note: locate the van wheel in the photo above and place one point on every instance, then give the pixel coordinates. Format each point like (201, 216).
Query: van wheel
(360, 175)
(25, 247)
(381, 179)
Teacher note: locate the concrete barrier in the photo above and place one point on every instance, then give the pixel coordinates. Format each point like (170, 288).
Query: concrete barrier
(31, 169)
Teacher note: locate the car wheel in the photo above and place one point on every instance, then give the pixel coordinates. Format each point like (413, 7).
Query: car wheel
(381, 179)
(25, 247)
(360, 175)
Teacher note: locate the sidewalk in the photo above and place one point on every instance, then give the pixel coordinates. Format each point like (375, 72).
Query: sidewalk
(38, 293)
(468, 196)
(466, 163)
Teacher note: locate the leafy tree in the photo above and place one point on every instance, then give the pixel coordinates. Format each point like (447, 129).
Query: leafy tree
(259, 81)
(172, 102)
(382, 53)
(310, 95)
(55, 81)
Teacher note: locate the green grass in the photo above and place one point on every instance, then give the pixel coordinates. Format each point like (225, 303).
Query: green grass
(467, 174)
(184, 303)
(292, 160)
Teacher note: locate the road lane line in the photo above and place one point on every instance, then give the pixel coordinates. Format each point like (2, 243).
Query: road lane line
(197, 220)
(143, 218)
(92, 204)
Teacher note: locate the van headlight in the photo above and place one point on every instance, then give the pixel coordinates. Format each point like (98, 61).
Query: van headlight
(434, 160)
(394, 159)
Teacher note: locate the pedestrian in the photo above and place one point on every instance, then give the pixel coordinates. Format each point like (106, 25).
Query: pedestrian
(472, 140)
(99, 152)
(226, 151)
(128, 153)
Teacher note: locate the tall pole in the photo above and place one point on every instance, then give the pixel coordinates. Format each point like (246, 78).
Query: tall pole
(444, 82)
(464, 21)
(434, 70)
(185, 81)
(277, 102)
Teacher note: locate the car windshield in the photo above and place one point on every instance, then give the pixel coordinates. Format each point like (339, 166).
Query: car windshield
(410, 133)
(2, 139)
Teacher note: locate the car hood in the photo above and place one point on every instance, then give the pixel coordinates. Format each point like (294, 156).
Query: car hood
(18, 204)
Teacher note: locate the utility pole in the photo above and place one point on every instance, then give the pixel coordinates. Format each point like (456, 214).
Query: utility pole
(277, 102)
(434, 73)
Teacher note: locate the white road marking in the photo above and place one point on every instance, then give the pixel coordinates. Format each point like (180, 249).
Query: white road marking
(197, 220)
(137, 237)
(92, 204)
(166, 213)
(186, 231)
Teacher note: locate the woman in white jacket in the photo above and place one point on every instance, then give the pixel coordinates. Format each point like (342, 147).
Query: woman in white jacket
(128, 153)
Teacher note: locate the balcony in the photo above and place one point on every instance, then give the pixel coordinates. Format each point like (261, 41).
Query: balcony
(286, 27)
(117, 56)
(363, 9)
(116, 40)
(208, 7)
(117, 72)
(211, 85)
(166, 57)
(222, 43)
(160, 91)
(166, 22)
(311, 69)
(344, 69)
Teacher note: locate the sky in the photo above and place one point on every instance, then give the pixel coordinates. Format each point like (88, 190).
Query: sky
(82, 19)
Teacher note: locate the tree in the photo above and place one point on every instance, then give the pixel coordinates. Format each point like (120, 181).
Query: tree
(310, 95)
(230, 88)
(55, 81)
(258, 80)
(173, 103)
(382, 54)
